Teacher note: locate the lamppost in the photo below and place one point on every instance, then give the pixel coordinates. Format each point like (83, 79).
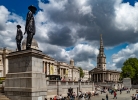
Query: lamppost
(79, 84)
(57, 86)
(92, 81)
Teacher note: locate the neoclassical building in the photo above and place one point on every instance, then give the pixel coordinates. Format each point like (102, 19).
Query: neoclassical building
(4, 61)
(50, 65)
(86, 75)
(100, 73)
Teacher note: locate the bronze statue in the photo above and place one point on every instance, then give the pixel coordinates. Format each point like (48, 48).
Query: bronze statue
(19, 37)
(30, 26)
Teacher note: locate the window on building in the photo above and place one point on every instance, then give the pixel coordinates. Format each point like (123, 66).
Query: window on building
(64, 71)
(58, 70)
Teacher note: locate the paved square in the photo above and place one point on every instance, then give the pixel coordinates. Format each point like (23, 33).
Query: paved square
(123, 96)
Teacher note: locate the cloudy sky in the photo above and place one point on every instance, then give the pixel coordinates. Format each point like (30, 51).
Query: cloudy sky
(70, 29)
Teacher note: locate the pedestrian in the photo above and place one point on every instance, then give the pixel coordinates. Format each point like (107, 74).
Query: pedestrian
(133, 97)
(106, 96)
(120, 91)
(136, 96)
(89, 95)
(115, 95)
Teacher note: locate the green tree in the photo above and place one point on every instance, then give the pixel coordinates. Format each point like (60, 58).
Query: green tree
(130, 69)
(81, 73)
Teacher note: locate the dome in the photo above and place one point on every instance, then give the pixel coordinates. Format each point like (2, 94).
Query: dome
(34, 44)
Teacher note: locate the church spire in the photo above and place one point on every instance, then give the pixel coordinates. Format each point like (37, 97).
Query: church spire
(101, 41)
(101, 59)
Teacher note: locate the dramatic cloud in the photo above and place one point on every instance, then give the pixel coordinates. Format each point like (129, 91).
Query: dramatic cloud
(89, 18)
(77, 24)
(130, 51)
(8, 22)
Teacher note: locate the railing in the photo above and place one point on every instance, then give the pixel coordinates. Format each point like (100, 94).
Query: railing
(54, 82)
(135, 86)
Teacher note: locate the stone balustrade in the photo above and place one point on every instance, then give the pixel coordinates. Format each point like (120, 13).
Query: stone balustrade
(54, 82)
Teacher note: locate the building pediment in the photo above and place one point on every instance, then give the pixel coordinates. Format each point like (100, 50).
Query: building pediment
(95, 70)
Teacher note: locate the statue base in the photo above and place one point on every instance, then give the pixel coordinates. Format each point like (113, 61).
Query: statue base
(127, 82)
(25, 79)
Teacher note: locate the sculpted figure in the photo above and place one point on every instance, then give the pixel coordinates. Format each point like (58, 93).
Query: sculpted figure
(30, 26)
(19, 37)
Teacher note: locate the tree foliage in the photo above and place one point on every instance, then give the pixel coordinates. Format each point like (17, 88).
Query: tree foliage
(81, 73)
(130, 69)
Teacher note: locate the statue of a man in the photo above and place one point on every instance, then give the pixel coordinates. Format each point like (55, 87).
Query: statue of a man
(30, 26)
(19, 37)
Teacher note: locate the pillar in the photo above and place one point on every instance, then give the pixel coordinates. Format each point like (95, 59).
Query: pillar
(111, 77)
(100, 77)
(94, 77)
(43, 67)
(103, 77)
(97, 77)
(48, 69)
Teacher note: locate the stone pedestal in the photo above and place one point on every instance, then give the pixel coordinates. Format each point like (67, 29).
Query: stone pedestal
(25, 79)
(127, 82)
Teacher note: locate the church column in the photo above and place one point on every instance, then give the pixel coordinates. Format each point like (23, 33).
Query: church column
(103, 77)
(106, 76)
(91, 76)
(94, 77)
(97, 77)
(100, 77)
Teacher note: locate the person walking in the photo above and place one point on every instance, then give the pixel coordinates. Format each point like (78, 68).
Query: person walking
(120, 91)
(106, 96)
(133, 97)
(115, 95)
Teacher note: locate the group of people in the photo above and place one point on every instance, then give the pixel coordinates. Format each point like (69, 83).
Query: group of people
(135, 96)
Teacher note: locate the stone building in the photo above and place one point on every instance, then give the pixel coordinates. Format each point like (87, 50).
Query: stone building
(100, 73)
(50, 65)
(4, 61)
(86, 75)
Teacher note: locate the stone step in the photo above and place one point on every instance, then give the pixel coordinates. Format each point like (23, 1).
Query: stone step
(3, 97)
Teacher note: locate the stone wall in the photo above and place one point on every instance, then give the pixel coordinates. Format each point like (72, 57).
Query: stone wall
(135, 86)
(62, 87)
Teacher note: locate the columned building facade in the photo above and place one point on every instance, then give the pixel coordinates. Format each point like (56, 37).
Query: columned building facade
(50, 65)
(100, 73)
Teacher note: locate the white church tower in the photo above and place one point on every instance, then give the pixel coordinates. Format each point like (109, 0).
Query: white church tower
(101, 58)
